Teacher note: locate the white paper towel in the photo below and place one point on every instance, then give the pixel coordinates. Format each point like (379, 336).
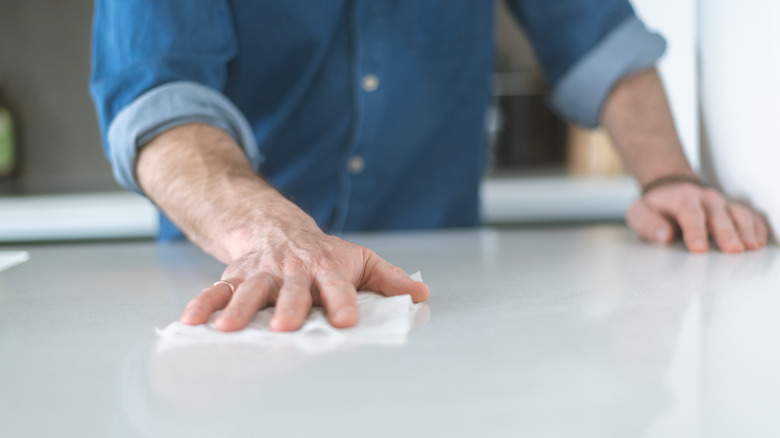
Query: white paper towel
(9, 259)
(383, 320)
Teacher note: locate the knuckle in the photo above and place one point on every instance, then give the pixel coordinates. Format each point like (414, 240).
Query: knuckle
(299, 302)
(305, 299)
(689, 190)
(235, 311)
(740, 212)
(748, 234)
(296, 283)
(395, 270)
(721, 224)
(692, 204)
(714, 197)
(325, 264)
(369, 254)
(695, 216)
(335, 284)
(712, 193)
(265, 281)
(725, 232)
(292, 265)
(685, 191)
(239, 267)
(374, 261)
(195, 304)
(204, 302)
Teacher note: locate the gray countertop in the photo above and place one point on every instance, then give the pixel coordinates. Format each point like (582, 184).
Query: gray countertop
(561, 332)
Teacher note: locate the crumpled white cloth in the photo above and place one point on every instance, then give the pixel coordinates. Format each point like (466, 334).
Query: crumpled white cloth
(9, 259)
(383, 320)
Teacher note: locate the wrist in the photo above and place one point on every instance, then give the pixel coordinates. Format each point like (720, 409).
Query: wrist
(263, 222)
(671, 179)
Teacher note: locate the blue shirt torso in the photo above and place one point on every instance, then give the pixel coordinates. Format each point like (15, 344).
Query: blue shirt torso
(369, 114)
(417, 131)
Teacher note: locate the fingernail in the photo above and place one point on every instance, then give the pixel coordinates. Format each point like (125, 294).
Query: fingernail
(700, 244)
(661, 235)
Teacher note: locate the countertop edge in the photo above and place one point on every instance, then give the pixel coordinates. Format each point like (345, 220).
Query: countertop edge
(116, 215)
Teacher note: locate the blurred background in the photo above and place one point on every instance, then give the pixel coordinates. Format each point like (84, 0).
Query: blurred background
(44, 69)
(55, 182)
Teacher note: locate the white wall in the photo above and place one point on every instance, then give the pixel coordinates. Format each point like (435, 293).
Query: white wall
(740, 87)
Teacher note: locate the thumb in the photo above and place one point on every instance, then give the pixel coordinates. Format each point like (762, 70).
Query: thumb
(390, 280)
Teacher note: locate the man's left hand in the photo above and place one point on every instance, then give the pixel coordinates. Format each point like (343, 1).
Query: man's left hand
(699, 213)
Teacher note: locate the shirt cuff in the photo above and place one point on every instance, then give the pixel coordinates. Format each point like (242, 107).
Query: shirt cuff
(580, 94)
(165, 107)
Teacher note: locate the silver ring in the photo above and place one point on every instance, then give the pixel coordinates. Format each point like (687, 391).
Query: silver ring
(228, 284)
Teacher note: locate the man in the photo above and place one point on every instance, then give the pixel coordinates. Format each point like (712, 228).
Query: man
(366, 115)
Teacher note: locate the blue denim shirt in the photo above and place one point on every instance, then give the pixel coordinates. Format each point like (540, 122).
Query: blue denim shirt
(367, 114)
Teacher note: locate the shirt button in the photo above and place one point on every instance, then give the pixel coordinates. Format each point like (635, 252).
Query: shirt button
(356, 164)
(370, 83)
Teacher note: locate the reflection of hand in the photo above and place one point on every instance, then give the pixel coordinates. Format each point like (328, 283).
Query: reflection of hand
(294, 266)
(698, 212)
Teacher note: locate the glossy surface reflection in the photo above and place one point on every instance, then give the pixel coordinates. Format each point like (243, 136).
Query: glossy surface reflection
(562, 332)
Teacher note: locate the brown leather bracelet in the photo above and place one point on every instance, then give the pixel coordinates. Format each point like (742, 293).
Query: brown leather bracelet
(670, 180)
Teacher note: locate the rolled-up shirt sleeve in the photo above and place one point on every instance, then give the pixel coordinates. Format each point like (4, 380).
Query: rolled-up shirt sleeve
(585, 48)
(158, 65)
(165, 107)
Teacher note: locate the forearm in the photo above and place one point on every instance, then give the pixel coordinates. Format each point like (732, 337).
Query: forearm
(638, 117)
(200, 178)
(639, 120)
(276, 254)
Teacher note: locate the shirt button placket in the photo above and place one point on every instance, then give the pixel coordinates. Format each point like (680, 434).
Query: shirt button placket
(356, 164)
(370, 83)
(370, 52)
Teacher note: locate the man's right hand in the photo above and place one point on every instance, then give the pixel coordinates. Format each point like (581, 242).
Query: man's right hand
(296, 268)
(276, 254)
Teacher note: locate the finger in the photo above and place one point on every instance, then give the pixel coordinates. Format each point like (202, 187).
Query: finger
(292, 305)
(210, 300)
(339, 298)
(251, 296)
(761, 228)
(721, 225)
(381, 276)
(693, 223)
(649, 224)
(745, 224)
(762, 232)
